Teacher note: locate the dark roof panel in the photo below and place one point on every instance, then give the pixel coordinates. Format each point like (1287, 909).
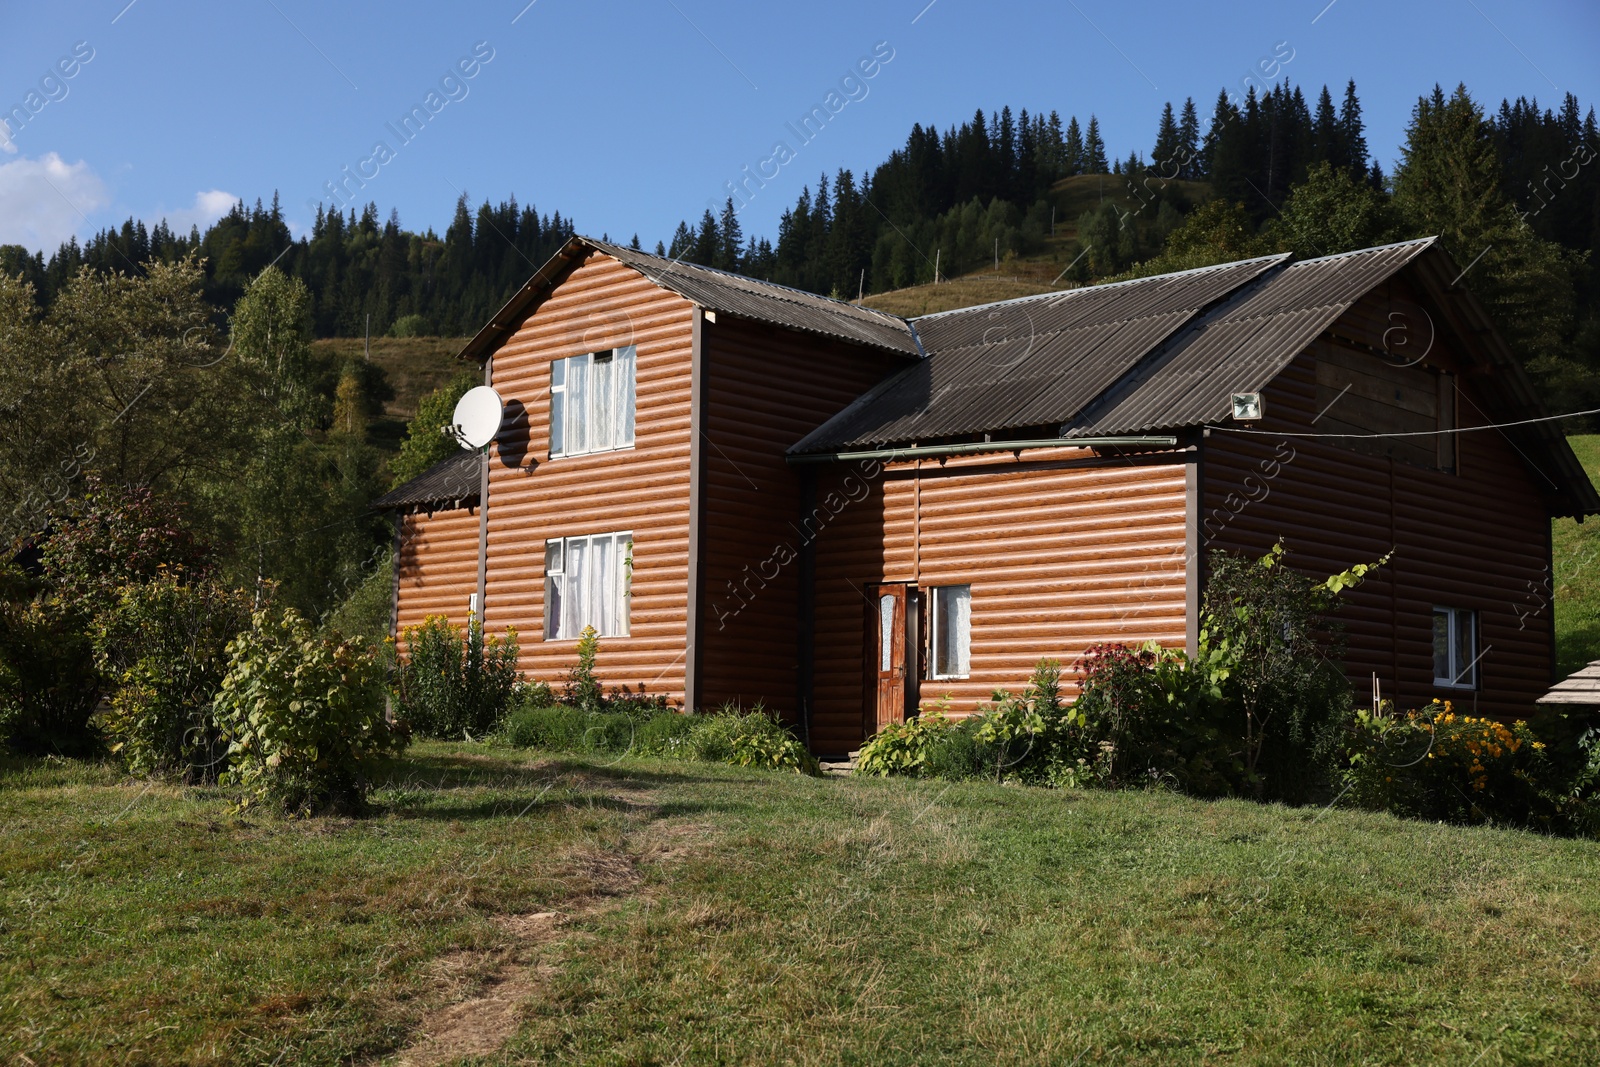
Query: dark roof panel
(1241, 345)
(1029, 362)
(717, 290)
(450, 483)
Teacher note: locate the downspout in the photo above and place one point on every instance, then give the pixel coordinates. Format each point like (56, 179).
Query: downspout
(1194, 542)
(691, 635)
(483, 517)
(806, 634)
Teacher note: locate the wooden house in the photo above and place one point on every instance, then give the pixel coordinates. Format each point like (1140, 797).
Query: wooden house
(759, 494)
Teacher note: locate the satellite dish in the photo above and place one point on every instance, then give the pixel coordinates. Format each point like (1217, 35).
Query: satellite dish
(477, 417)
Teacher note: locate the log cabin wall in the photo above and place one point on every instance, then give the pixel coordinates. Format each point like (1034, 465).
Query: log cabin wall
(766, 388)
(1475, 537)
(1062, 550)
(437, 567)
(601, 304)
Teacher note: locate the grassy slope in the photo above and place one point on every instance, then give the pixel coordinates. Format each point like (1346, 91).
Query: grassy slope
(712, 914)
(1028, 275)
(413, 367)
(1575, 576)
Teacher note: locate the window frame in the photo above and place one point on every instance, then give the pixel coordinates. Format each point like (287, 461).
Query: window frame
(567, 424)
(936, 597)
(1454, 617)
(559, 549)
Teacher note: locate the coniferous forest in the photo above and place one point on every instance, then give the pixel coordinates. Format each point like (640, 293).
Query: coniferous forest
(1273, 170)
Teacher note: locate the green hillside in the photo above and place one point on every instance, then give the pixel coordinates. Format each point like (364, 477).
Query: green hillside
(1575, 574)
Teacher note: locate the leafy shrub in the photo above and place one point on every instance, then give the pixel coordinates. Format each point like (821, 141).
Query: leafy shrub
(1154, 718)
(48, 683)
(366, 612)
(753, 738)
(906, 748)
(112, 538)
(583, 689)
(663, 733)
(303, 716)
(163, 648)
(1271, 655)
(1434, 764)
(1031, 738)
(454, 680)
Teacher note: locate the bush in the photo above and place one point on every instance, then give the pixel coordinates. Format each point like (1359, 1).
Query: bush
(163, 648)
(454, 680)
(1154, 718)
(303, 716)
(113, 538)
(1434, 764)
(583, 689)
(367, 612)
(48, 683)
(753, 738)
(1031, 738)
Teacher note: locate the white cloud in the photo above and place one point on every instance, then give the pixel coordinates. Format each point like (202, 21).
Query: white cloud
(45, 201)
(208, 207)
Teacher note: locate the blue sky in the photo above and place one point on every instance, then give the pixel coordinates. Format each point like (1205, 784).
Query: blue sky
(629, 116)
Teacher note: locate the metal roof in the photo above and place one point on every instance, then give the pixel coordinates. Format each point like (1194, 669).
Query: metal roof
(452, 483)
(718, 290)
(1241, 345)
(1029, 362)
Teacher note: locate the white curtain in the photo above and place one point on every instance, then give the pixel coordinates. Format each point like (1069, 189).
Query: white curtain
(962, 645)
(627, 367)
(578, 390)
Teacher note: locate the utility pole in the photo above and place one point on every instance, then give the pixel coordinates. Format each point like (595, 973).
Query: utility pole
(936, 266)
(861, 286)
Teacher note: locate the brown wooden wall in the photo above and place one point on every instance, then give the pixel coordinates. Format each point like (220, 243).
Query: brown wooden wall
(765, 389)
(1059, 558)
(438, 567)
(1478, 539)
(601, 304)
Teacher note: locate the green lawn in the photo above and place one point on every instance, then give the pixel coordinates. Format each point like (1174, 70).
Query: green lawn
(707, 914)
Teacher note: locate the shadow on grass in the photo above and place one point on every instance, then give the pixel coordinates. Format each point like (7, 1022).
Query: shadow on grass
(1577, 647)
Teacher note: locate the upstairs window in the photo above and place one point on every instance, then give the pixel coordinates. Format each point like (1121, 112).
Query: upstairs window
(586, 583)
(950, 643)
(591, 402)
(1455, 648)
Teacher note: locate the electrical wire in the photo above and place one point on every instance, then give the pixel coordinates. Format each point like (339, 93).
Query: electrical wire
(1408, 433)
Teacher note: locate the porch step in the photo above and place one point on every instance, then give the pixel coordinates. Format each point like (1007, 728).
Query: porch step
(840, 768)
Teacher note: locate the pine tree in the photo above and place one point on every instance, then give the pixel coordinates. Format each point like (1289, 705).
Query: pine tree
(1072, 160)
(1094, 150)
(1165, 156)
(1351, 129)
(1190, 166)
(730, 239)
(1327, 137)
(705, 241)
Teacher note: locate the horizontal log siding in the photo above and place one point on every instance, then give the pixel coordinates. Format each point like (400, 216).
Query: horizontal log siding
(601, 304)
(1059, 558)
(438, 567)
(1475, 540)
(765, 389)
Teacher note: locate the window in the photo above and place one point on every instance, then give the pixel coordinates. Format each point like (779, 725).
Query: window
(1455, 648)
(951, 652)
(586, 583)
(591, 402)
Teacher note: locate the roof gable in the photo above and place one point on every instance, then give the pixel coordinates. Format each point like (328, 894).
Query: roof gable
(717, 290)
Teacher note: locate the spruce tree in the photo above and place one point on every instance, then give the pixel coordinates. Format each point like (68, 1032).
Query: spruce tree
(1072, 161)
(1351, 128)
(1094, 150)
(1164, 156)
(1190, 166)
(730, 239)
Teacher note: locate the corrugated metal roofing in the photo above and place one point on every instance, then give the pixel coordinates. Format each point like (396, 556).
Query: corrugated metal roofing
(717, 290)
(453, 482)
(1029, 362)
(1241, 345)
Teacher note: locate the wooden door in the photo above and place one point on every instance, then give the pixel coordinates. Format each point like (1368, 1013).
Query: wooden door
(886, 657)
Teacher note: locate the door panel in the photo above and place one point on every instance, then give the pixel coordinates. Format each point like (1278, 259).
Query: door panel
(886, 657)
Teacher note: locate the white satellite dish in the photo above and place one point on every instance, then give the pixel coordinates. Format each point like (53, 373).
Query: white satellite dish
(477, 417)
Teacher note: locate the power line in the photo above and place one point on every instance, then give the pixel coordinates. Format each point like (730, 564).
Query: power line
(1410, 433)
